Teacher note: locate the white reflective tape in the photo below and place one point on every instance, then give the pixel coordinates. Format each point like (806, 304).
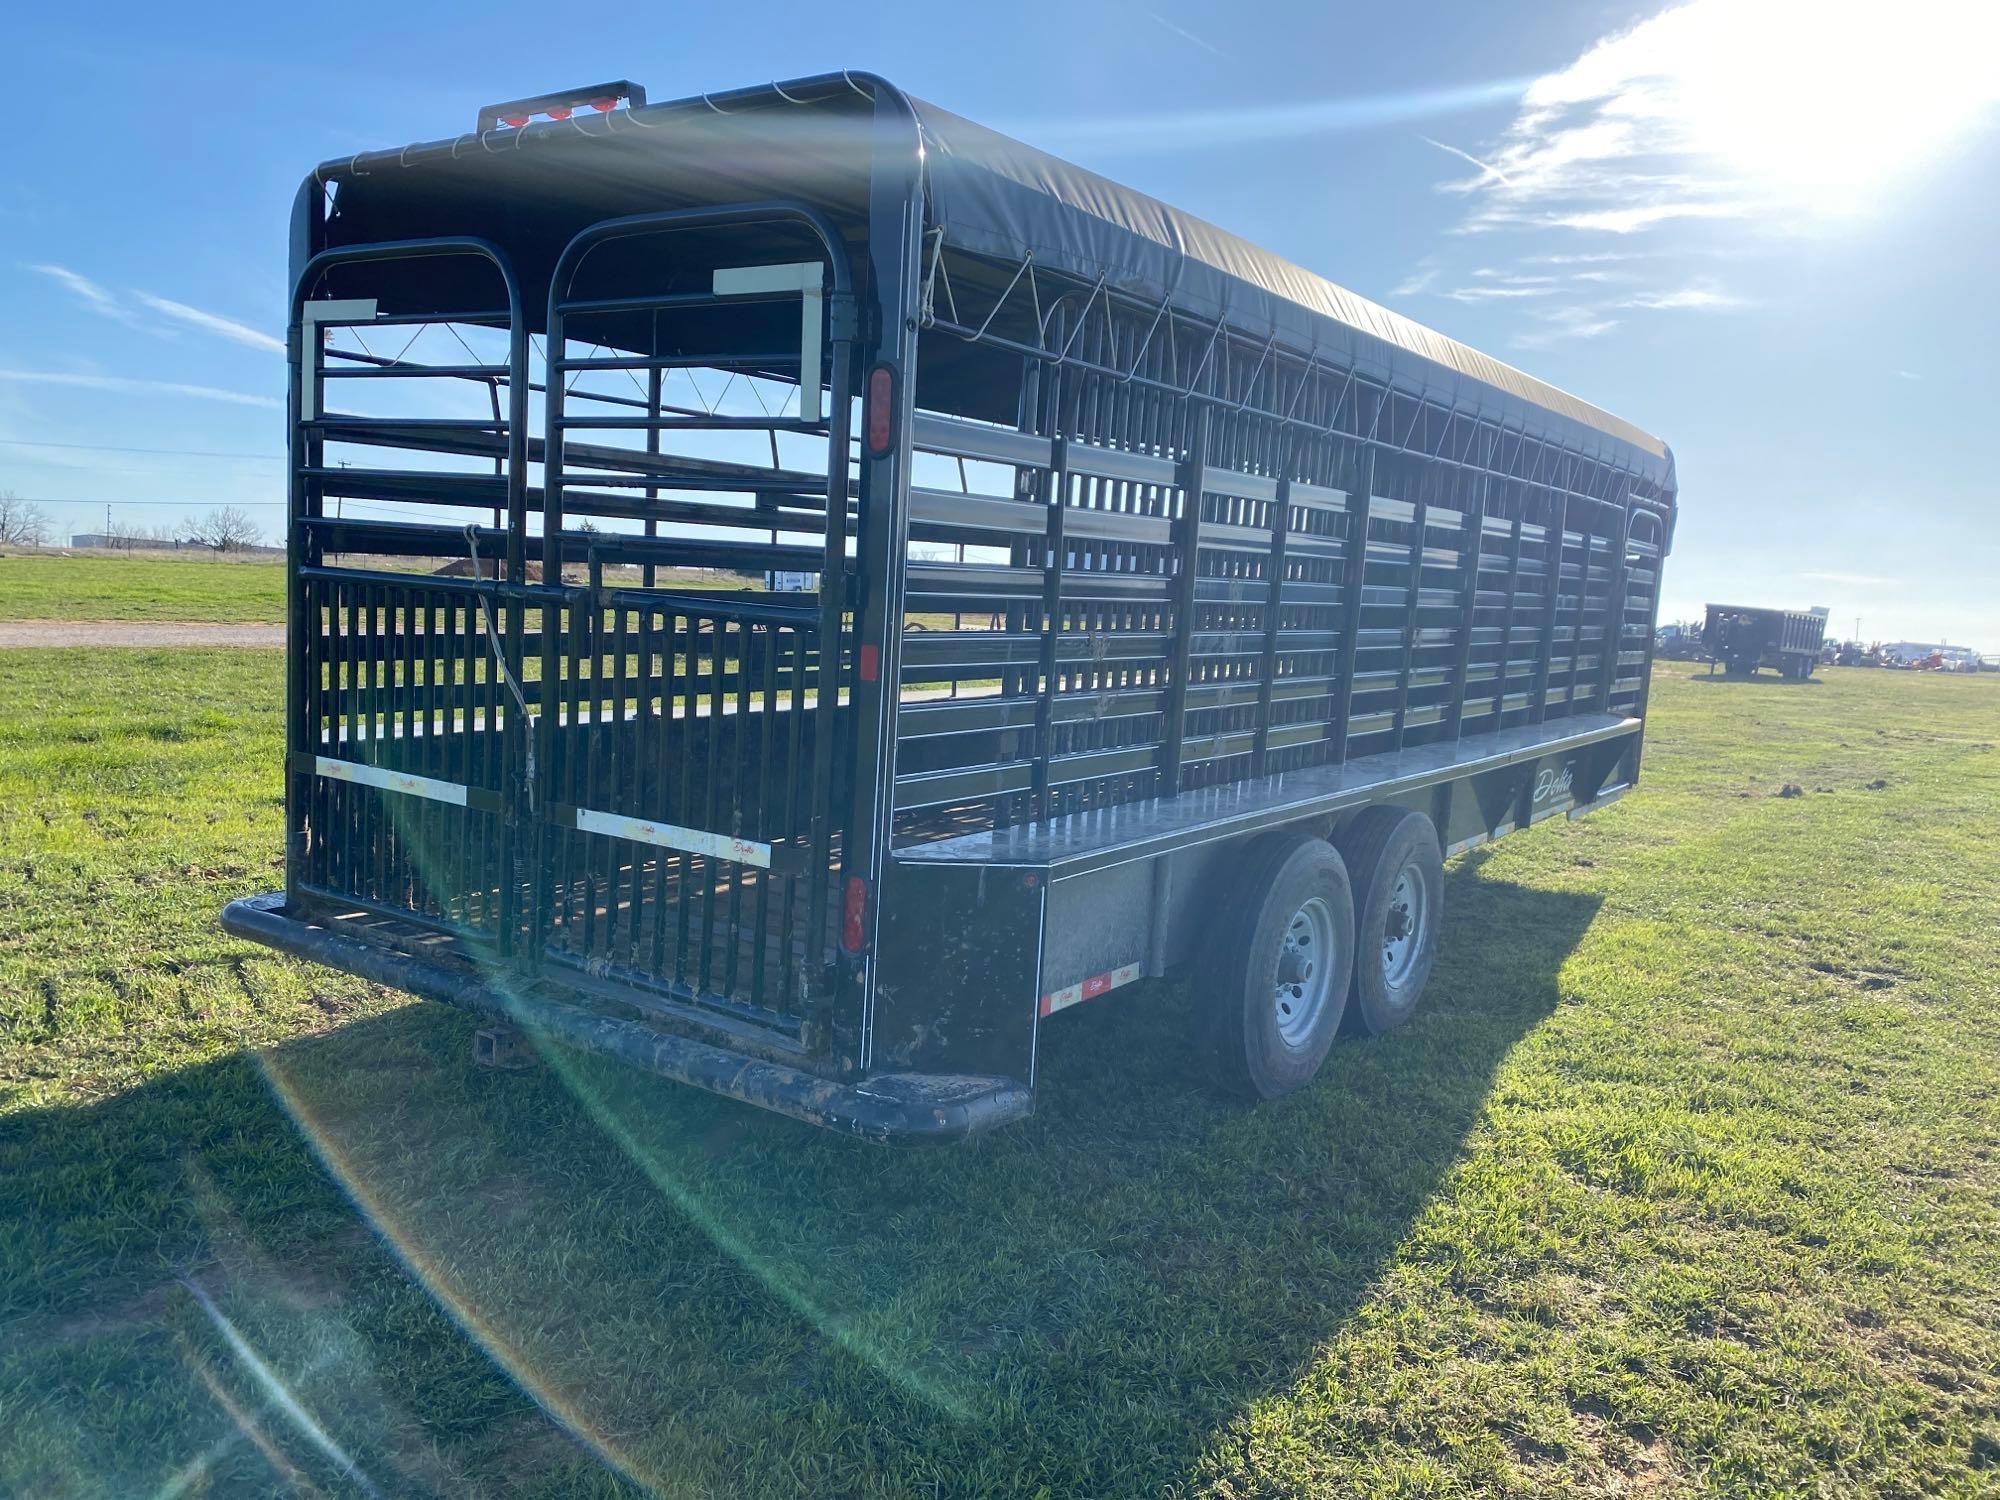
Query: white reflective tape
(756, 281)
(312, 317)
(805, 278)
(390, 781)
(668, 836)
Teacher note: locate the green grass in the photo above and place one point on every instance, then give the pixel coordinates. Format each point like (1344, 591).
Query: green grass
(1687, 1180)
(141, 588)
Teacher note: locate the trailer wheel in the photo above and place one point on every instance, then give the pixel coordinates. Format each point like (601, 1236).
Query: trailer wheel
(1398, 873)
(1278, 972)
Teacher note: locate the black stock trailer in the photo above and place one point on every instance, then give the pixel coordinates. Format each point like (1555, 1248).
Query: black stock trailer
(1165, 603)
(1743, 638)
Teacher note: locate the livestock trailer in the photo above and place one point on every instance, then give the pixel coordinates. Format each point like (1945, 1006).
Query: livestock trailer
(1164, 603)
(1743, 639)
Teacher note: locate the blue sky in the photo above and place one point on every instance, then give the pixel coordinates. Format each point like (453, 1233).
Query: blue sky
(1764, 229)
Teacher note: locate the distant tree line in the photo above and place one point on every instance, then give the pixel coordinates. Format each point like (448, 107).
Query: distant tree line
(227, 528)
(22, 522)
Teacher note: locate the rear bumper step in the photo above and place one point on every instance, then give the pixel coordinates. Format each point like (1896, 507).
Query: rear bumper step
(882, 1106)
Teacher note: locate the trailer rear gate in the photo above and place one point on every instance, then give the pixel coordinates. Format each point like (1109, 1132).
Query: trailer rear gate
(1128, 542)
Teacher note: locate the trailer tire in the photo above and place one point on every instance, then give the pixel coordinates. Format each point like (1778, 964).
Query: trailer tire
(1279, 967)
(1398, 873)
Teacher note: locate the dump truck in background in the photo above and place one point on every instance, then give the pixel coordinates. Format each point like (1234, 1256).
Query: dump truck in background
(1161, 604)
(1741, 639)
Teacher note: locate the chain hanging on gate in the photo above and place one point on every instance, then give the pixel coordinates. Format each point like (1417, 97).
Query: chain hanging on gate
(500, 660)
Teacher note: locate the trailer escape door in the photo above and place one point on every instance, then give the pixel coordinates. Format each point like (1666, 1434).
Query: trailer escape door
(581, 737)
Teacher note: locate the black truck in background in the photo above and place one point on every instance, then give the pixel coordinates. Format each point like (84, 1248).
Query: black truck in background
(1743, 639)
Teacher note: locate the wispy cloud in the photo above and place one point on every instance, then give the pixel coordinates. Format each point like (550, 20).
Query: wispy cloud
(132, 385)
(1497, 293)
(1558, 325)
(1645, 216)
(94, 297)
(1420, 280)
(229, 328)
(1587, 257)
(1697, 298)
(1854, 580)
(1184, 34)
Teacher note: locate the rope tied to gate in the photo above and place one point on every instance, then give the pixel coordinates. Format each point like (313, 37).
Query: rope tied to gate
(500, 659)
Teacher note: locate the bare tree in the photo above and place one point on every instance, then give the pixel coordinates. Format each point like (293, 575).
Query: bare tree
(228, 529)
(22, 522)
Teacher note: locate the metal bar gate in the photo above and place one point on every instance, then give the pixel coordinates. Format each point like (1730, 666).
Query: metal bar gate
(619, 769)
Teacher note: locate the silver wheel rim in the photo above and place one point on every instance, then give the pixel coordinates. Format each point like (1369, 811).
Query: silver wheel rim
(1403, 932)
(1306, 963)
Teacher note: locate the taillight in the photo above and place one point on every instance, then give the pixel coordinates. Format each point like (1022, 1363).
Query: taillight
(853, 906)
(879, 411)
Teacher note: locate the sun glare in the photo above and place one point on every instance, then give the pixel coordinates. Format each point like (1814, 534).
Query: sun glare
(1824, 101)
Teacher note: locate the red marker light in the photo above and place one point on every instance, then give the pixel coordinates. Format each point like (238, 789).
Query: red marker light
(604, 106)
(854, 905)
(871, 663)
(881, 410)
(559, 112)
(517, 121)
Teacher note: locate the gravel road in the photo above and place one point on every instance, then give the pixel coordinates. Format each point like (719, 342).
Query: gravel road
(137, 633)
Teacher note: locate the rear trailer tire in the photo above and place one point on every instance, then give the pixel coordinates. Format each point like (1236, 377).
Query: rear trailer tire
(1279, 966)
(1398, 873)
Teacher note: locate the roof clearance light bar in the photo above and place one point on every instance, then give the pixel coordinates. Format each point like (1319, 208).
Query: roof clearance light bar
(560, 105)
(559, 112)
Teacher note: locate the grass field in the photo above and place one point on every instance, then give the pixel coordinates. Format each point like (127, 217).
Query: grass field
(200, 588)
(1687, 1181)
(51, 587)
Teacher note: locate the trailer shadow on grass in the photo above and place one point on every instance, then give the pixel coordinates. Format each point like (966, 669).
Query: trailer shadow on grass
(464, 1280)
(1756, 679)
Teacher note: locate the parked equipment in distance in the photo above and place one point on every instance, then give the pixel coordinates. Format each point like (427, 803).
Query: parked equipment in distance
(1677, 642)
(1164, 604)
(1742, 639)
